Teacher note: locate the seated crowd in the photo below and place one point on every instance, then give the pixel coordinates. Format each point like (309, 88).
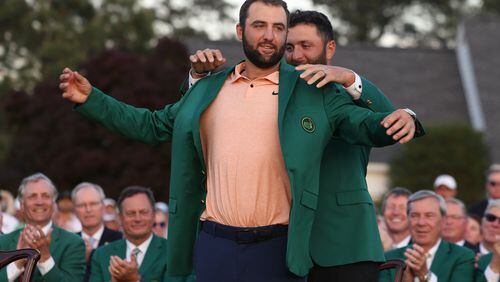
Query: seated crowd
(84, 236)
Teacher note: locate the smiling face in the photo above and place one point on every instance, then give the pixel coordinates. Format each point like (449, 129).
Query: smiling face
(264, 34)
(491, 229)
(137, 217)
(304, 45)
(38, 202)
(395, 214)
(425, 222)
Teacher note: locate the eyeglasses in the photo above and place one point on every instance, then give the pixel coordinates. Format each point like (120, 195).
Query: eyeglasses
(492, 218)
(162, 224)
(493, 183)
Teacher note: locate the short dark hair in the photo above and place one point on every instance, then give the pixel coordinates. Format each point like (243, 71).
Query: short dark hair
(246, 5)
(396, 192)
(319, 20)
(134, 190)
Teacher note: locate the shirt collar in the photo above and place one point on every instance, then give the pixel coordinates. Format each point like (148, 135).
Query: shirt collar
(239, 68)
(97, 235)
(403, 243)
(46, 228)
(143, 247)
(460, 243)
(432, 252)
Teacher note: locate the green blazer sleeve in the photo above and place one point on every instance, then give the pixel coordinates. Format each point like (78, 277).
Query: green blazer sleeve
(70, 261)
(135, 123)
(354, 124)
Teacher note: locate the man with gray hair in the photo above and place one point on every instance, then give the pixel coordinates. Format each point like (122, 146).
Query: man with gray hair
(455, 224)
(62, 253)
(88, 199)
(489, 265)
(429, 258)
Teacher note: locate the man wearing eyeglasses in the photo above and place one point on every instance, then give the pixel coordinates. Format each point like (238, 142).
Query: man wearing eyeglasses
(89, 207)
(455, 224)
(161, 220)
(492, 191)
(489, 264)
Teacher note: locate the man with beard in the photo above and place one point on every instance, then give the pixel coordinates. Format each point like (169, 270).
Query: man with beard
(242, 150)
(354, 250)
(62, 253)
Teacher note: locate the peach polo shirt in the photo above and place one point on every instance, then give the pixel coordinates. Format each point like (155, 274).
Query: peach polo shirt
(247, 182)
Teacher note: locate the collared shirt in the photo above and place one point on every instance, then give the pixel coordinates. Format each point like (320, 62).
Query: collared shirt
(483, 250)
(431, 254)
(142, 247)
(403, 243)
(13, 271)
(247, 181)
(460, 243)
(95, 238)
(490, 275)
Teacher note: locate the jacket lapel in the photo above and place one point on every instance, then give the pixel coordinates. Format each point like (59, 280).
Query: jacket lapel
(56, 234)
(121, 249)
(151, 255)
(440, 258)
(288, 79)
(208, 95)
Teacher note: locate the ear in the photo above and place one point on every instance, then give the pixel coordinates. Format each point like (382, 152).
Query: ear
(330, 49)
(239, 32)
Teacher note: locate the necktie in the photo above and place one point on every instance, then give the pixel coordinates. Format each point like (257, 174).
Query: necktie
(92, 242)
(136, 251)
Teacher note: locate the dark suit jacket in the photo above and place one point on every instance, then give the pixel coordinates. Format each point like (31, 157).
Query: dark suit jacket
(108, 236)
(478, 208)
(472, 247)
(451, 263)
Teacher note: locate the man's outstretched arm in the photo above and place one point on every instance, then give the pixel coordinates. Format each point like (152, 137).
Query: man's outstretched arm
(135, 123)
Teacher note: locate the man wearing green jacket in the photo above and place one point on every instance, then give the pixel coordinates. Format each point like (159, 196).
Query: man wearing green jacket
(430, 258)
(247, 145)
(354, 250)
(489, 265)
(141, 255)
(62, 253)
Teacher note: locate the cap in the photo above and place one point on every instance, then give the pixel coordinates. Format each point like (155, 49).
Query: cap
(161, 206)
(109, 202)
(446, 180)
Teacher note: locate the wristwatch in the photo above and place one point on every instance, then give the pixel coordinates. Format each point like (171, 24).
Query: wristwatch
(427, 277)
(411, 113)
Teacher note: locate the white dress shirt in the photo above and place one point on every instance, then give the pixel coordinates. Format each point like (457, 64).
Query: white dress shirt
(403, 243)
(142, 247)
(431, 254)
(13, 271)
(95, 238)
(460, 243)
(483, 250)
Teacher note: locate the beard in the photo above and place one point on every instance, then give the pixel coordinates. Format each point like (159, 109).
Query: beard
(320, 60)
(259, 60)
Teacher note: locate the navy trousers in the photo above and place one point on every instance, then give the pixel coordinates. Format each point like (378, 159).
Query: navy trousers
(219, 259)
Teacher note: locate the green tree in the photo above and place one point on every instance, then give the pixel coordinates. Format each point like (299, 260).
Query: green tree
(453, 149)
(414, 22)
(48, 136)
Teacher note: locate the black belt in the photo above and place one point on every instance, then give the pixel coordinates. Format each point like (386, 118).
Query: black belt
(244, 235)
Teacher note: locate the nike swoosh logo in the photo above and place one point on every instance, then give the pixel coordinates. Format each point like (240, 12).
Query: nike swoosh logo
(275, 93)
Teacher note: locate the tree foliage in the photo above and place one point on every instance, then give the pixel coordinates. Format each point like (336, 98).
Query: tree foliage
(453, 149)
(48, 136)
(39, 38)
(414, 22)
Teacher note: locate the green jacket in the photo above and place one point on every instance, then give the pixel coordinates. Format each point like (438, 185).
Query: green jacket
(67, 250)
(482, 264)
(345, 226)
(451, 263)
(153, 267)
(307, 119)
